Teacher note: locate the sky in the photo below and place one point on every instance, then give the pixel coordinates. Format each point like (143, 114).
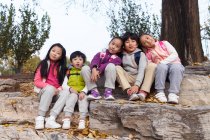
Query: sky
(78, 30)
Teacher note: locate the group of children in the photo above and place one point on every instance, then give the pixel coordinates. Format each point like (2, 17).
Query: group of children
(133, 61)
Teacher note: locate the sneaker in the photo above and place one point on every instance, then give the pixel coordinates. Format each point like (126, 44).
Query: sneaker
(94, 95)
(81, 124)
(161, 97)
(108, 94)
(39, 122)
(133, 97)
(142, 95)
(51, 123)
(66, 123)
(173, 98)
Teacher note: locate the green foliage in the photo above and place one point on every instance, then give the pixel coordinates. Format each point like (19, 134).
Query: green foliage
(23, 37)
(129, 16)
(30, 65)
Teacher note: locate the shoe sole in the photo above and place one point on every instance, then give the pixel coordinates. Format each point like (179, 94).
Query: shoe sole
(90, 98)
(39, 128)
(47, 126)
(134, 99)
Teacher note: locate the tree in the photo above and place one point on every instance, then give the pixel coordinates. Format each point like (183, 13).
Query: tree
(180, 26)
(130, 16)
(30, 65)
(28, 36)
(7, 29)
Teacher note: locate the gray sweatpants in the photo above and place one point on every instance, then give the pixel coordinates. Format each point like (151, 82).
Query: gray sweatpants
(46, 96)
(175, 74)
(73, 98)
(109, 73)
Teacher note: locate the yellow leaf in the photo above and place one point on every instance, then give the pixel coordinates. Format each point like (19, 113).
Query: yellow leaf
(103, 135)
(90, 135)
(85, 131)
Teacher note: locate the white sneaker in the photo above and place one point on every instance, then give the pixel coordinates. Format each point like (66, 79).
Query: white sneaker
(133, 97)
(161, 97)
(173, 98)
(66, 123)
(39, 122)
(91, 97)
(51, 123)
(109, 97)
(141, 96)
(81, 124)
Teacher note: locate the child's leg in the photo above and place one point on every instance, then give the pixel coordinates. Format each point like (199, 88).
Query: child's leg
(86, 74)
(69, 109)
(123, 78)
(58, 106)
(46, 96)
(160, 78)
(176, 72)
(83, 109)
(70, 104)
(110, 76)
(149, 77)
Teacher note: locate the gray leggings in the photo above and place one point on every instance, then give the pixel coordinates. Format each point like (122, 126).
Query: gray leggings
(175, 74)
(46, 96)
(109, 73)
(71, 101)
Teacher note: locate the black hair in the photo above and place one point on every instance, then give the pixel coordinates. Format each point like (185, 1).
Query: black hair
(61, 69)
(132, 36)
(78, 54)
(116, 37)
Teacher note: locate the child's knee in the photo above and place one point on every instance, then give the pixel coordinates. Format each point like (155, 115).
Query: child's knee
(110, 66)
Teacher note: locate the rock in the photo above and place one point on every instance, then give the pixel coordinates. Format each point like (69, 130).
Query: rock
(151, 120)
(195, 90)
(9, 85)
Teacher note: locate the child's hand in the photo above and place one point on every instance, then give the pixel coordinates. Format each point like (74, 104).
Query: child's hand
(95, 75)
(133, 89)
(81, 95)
(56, 92)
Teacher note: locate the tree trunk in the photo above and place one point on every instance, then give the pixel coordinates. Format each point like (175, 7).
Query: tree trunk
(181, 27)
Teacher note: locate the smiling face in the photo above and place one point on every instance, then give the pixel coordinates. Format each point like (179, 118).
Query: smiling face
(130, 45)
(147, 41)
(77, 62)
(55, 53)
(115, 46)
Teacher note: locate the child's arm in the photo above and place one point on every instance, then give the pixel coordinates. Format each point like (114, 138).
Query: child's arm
(141, 69)
(83, 93)
(95, 61)
(173, 55)
(64, 85)
(38, 81)
(117, 61)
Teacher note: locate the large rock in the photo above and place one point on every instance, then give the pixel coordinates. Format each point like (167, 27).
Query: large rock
(151, 120)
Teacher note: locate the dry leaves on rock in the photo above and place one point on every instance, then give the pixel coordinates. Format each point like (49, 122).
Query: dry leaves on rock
(27, 89)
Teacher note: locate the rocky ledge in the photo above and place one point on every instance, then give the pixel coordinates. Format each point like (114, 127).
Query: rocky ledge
(150, 120)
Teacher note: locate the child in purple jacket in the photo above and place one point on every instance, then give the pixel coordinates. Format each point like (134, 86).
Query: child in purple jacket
(103, 63)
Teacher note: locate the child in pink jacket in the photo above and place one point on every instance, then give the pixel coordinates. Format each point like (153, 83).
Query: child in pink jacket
(168, 63)
(48, 79)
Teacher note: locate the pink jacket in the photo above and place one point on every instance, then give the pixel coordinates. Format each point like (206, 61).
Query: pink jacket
(39, 82)
(163, 52)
